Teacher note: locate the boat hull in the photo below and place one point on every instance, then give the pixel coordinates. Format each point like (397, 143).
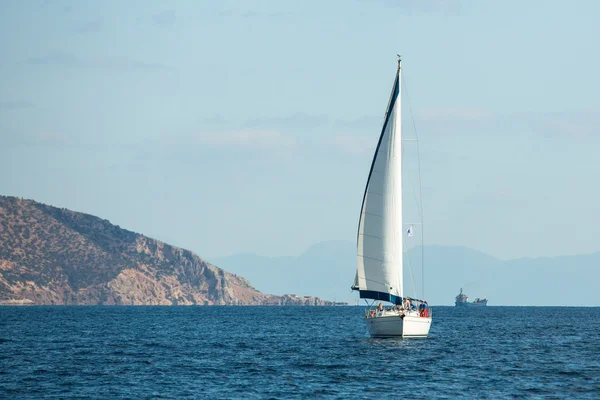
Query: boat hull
(467, 304)
(397, 326)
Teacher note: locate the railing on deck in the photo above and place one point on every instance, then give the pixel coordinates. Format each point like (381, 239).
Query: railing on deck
(375, 311)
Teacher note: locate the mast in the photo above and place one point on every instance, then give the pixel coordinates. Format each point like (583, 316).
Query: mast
(398, 238)
(380, 229)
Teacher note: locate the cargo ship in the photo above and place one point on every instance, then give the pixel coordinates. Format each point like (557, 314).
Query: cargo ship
(462, 300)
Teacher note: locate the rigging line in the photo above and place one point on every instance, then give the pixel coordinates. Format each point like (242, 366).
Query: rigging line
(374, 215)
(370, 258)
(381, 283)
(412, 277)
(374, 281)
(420, 187)
(417, 201)
(373, 236)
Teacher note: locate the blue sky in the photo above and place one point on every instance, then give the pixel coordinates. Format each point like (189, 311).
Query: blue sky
(227, 127)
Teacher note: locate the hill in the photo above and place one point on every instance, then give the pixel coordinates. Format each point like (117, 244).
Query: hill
(50, 255)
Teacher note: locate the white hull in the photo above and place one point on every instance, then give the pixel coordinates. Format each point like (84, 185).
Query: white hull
(396, 326)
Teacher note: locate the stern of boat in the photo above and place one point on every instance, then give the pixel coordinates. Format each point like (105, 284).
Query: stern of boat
(388, 324)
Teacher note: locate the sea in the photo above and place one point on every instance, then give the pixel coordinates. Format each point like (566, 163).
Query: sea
(224, 352)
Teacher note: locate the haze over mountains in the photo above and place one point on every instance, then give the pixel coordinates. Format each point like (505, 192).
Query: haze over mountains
(327, 270)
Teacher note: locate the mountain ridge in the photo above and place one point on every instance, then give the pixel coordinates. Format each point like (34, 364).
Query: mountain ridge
(560, 280)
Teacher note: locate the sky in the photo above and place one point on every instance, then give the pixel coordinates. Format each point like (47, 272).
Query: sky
(227, 127)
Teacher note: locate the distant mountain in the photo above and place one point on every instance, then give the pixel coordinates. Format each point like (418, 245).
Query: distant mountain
(323, 268)
(327, 269)
(50, 255)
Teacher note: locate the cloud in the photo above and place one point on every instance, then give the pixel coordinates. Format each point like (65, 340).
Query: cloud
(68, 60)
(44, 138)
(250, 14)
(53, 138)
(55, 58)
(301, 122)
(454, 114)
(244, 138)
(165, 19)
(365, 122)
(479, 122)
(14, 105)
(272, 14)
(433, 7)
(353, 144)
(294, 121)
(89, 26)
(55, 4)
(579, 124)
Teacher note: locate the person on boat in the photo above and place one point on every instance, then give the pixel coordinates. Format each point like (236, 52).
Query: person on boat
(405, 304)
(421, 309)
(380, 307)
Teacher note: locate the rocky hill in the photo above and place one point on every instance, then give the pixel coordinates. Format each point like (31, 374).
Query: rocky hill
(50, 255)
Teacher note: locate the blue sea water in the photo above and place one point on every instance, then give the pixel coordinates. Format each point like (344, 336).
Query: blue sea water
(295, 352)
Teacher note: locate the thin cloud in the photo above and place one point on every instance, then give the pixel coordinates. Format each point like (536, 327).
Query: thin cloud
(244, 138)
(89, 26)
(68, 60)
(454, 114)
(165, 19)
(56, 58)
(62, 8)
(294, 121)
(581, 124)
(432, 7)
(44, 138)
(353, 144)
(364, 122)
(547, 125)
(251, 14)
(272, 14)
(14, 105)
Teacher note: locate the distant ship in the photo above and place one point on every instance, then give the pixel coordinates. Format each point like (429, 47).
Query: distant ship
(463, 301)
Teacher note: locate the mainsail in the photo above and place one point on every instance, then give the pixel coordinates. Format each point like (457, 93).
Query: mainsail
(379, 241)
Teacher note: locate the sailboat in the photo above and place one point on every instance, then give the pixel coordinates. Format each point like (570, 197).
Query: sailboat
(380, 238)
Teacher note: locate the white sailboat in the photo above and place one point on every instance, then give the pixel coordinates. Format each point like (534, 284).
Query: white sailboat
(380, 239)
